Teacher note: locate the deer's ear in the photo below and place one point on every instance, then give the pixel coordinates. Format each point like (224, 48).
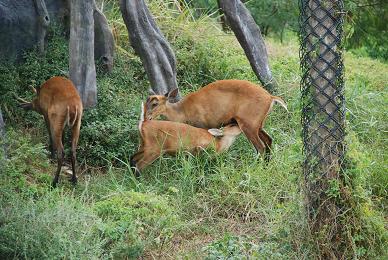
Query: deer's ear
(215, 132)
(152, 99)
(151, 92)
(172, 94)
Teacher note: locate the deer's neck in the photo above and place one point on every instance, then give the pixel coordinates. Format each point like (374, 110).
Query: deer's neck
(175, 112)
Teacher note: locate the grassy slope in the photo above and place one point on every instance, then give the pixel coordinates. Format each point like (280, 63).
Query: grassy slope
(186, 206)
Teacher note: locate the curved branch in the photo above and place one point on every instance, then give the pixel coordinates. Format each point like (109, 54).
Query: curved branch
(248, 34)
(104, 44)
(149, 43)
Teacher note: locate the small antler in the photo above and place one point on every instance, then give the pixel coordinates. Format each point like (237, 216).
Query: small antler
(20, 99)
(32, 88)
(23, 103)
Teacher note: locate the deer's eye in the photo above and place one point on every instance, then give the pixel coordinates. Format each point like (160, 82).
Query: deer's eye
(154, 105)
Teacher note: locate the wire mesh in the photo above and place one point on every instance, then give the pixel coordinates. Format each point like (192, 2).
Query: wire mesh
(322, 88)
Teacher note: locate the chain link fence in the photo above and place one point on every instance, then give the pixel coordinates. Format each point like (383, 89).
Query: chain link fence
(323, 107)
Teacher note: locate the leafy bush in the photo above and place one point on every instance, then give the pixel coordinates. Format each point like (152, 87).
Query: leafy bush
(109, 131)
(26, 168)
(237, 247)
(135, 220)
(229, 247)
(366, 29)
(54, 227)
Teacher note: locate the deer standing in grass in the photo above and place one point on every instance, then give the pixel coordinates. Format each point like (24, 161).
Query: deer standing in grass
(58, 101)
(158, 137)
(221, 103)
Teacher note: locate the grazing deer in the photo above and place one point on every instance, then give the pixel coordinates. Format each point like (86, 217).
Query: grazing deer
(58, 101)
(221, 103)
(158, 137)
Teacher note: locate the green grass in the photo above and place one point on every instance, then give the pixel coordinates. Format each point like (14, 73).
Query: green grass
(206, 206)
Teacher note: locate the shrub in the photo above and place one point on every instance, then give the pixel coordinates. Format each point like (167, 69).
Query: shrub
(135, 220)
(237, 247)
(228, 247)
(26, 167)
(55, 227)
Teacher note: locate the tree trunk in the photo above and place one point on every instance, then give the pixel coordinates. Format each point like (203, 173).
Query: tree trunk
(224, 21)
(149, 43)
(104, 44)
(82, 68)
(323, 118)
(249, 35)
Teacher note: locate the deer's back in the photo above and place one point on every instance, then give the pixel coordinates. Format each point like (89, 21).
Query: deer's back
(59, 93)
(219, 102)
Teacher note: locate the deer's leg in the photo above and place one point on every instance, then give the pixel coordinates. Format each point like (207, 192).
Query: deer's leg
(56, 126)
(251, 132)
(74, 142)
(268, 143)
(51, 146)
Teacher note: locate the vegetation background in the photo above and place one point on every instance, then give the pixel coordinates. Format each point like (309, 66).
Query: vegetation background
(228, 206)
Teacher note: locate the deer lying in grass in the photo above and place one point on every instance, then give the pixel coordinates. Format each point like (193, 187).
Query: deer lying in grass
(221, 103)
(58, 101)
(158, 137)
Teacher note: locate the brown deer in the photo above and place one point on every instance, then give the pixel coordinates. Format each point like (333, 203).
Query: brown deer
(58, 101)
(221, 103)
(158, 137)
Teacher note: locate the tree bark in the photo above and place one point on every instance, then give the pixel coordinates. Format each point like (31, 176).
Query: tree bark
(150, 44)
(323, 120)
(82, 67)
(224, 21)
(104, 44)
(248, 34)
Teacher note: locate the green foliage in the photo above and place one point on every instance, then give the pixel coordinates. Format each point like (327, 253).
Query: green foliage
(366, 28)
(275, 16)
(237, 247)
(54, 227)
(109, 132)
(134, 217)
(26, 168)
(367, 97)
(366, 223)
(229, 247)
(201, 59)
